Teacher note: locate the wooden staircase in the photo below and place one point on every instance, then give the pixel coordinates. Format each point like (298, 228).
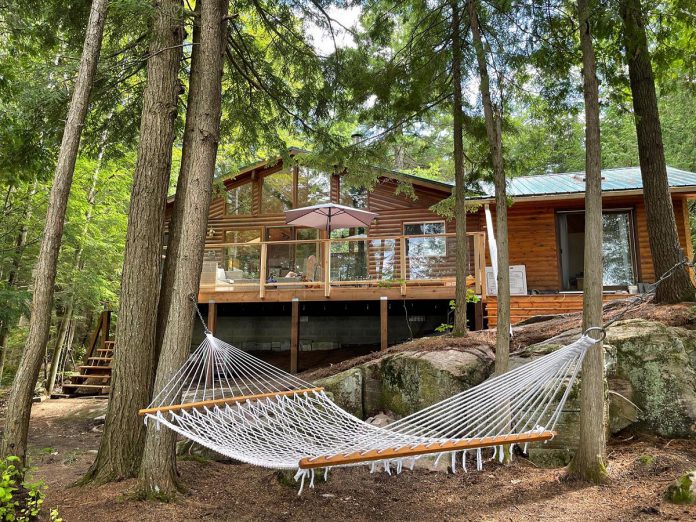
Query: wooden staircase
(95, 374)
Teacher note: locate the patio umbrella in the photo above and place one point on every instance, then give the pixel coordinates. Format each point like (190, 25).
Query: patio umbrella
(329, 216)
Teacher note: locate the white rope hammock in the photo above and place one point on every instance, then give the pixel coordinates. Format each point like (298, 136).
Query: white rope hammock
(251, 411)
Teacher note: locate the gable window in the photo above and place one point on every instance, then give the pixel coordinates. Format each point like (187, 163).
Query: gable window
(352, 196)
(313, 187)
(276, 192)
(239, 200)
(425, 246)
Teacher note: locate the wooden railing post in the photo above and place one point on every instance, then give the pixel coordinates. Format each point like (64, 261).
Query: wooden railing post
(477, 265)
(327, 268)
(262, 270)
(402, 264)
(482, 263)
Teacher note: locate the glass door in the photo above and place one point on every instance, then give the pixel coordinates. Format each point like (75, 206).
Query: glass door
(618, 249)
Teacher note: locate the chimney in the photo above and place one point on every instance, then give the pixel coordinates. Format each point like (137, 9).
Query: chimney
(356, 137)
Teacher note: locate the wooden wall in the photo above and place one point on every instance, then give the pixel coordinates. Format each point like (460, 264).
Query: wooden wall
(532, 225)
(533, 236)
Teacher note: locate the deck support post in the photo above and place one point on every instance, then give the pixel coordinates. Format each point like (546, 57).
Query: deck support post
(294, 334)
(383, 323)
(212, 317)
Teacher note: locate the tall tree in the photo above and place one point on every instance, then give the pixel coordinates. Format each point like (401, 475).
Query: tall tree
(589, 460)
(121, 446)
(459, 178)
(77, 267)
(14, 440)
(662, 229)
(493, 117)
(158, 475)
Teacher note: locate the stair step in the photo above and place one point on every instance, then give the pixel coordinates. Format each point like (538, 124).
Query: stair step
(100, 358)
(91, 367)
(109, 343)
(101, 387)
(83, 378)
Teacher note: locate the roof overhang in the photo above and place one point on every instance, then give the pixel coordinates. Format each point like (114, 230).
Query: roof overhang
(689, 192)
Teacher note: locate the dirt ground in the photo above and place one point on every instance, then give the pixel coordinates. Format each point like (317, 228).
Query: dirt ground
(64, 437)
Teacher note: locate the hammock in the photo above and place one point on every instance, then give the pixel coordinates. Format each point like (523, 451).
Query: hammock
(246, 409)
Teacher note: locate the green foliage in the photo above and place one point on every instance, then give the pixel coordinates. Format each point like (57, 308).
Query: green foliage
(471, 297)
(20, 500)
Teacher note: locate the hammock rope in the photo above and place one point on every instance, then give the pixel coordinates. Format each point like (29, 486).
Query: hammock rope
(248, 410)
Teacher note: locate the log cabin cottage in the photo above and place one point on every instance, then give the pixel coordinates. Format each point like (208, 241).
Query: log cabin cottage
(273, 288)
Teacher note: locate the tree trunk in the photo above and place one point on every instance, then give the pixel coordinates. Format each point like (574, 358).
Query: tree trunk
(662, 229)
(13, 276)
(459, 178)
(158, 477)
(170, 265)
(77, 268)
(494, 132)
(122, 443)
(589, 460)
(60, 343)
(19, 402)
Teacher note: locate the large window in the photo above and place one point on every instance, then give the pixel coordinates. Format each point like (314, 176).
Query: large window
(353, 197)
(617, 249)
(243, 260)
(277, 192)
(425, 246)
(313, 187)
(239, 200)
(287, 258)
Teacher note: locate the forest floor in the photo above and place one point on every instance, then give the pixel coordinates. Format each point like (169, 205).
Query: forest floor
(64, 437)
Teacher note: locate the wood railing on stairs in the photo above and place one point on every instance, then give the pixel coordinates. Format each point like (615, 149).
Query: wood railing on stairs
(95, 374)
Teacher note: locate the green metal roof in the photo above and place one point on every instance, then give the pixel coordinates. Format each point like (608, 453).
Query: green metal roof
(621, 179)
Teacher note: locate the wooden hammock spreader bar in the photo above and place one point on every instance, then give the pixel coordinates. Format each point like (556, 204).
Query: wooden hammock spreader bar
(228, 400)
(422, 449)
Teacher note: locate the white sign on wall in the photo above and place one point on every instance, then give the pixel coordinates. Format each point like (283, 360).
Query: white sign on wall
(518, 280)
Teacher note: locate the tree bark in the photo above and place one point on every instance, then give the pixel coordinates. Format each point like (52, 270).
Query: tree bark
(170, 265)
(662, 229)
(494, 132)
(462, 258)
(158, 476)
(589, 461)
(122, 443)
(60, 343)
(19, 404)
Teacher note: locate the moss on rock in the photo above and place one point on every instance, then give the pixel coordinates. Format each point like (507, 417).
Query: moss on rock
(346, 389)
(412, 381)
(682, 490)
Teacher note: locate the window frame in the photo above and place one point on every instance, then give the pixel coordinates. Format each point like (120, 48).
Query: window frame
(423, 236)
(249, 184)
(634, 248)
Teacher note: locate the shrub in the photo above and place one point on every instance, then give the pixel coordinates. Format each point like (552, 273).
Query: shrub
(20, 500)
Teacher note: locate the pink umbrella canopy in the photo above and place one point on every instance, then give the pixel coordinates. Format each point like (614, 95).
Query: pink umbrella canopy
(329, 216)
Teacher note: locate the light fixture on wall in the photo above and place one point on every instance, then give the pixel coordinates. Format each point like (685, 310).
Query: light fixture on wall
(210, 233)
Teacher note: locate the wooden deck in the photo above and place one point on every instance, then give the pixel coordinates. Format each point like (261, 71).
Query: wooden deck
(525, 306)
(385, 266)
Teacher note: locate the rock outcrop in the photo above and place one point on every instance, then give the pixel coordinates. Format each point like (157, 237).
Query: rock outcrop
(406, 382)
(651, 374)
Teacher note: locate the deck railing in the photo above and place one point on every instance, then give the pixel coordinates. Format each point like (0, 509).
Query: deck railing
(384, 261)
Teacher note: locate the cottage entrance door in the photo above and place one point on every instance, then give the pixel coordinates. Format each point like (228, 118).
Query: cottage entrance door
(617, 248)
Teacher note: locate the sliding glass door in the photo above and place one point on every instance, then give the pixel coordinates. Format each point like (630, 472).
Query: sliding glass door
(618, 249)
